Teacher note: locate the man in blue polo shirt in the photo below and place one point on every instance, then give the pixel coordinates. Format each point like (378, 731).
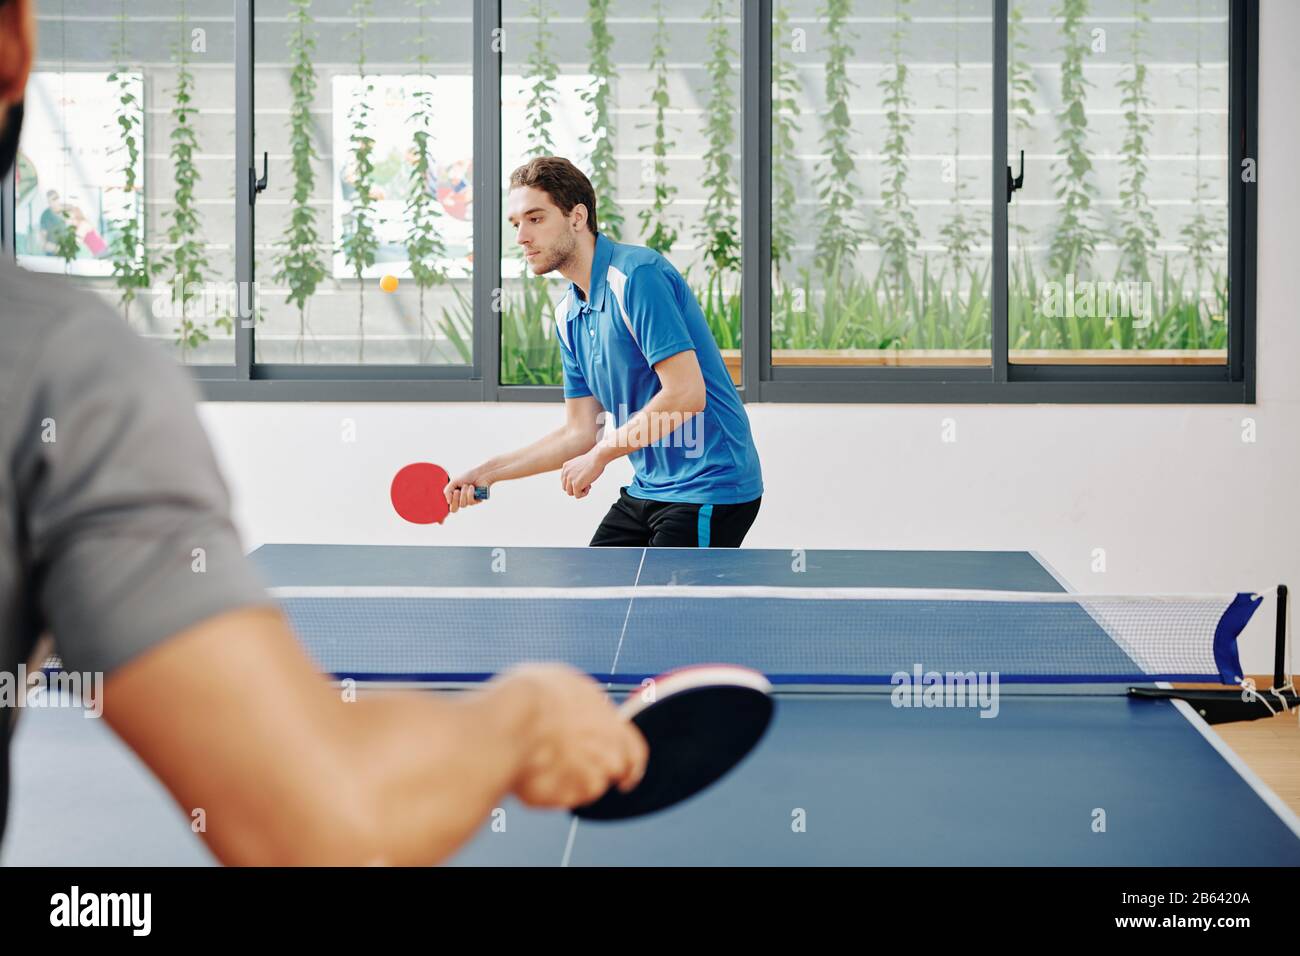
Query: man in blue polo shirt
(638, 354)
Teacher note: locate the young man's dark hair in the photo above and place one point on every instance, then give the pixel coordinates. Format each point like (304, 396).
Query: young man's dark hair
(567, 185)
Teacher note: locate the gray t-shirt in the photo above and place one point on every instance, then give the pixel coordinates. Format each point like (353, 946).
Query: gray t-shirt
(115, 528)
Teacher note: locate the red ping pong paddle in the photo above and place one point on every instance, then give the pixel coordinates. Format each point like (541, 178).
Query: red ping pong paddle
(699, 722)
(417, 493)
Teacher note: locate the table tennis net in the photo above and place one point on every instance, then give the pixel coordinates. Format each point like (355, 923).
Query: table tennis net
(793, 635)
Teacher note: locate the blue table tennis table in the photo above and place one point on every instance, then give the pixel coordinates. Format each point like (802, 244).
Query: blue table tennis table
(1067, 773)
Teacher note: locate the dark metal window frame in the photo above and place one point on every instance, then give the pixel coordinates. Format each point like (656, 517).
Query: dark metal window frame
(999, 382)
(250, 380)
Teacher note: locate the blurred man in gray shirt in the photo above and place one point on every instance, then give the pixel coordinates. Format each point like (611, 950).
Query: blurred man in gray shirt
(116, 541)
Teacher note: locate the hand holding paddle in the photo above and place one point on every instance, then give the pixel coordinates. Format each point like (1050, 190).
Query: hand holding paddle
(669, 740)
(576, 744)
(422, 494)
(699, 723)
(464, 491)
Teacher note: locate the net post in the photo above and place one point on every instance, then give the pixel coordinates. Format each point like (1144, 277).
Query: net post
(1279, 647)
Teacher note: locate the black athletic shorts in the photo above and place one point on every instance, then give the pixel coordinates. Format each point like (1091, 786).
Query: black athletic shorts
(637, 523)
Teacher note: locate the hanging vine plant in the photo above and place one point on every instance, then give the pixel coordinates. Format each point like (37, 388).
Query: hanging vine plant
(959, 233)
(361, 243)
(599, 99)
(718, 230)
(785, 107)
(656, 227)
(301, 264)
(898, 233)
(67, 246)
(838, 193)
(1140, 233)
(529, 352)
(131, 267)
(1074, 239)
(187, 259)
(1200, 232)
(1020, 90)
(424, 243)
(544, 71)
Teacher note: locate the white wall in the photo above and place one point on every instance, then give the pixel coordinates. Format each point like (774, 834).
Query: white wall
(1175, 497)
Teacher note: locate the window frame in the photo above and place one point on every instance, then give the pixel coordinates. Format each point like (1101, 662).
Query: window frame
(1000, 382)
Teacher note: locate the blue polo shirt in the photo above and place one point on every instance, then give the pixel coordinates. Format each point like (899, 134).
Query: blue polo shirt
(640, 312)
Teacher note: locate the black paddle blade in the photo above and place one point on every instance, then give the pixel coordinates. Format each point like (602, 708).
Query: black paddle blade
(695, 736)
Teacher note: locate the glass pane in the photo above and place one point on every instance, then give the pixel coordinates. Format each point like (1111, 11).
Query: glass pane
(364, 233)
(645, 99)
(880, 182)
(1119, 238)
(123, 178)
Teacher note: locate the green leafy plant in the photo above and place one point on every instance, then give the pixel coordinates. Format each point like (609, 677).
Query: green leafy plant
(529, 352)
(132, 270)
(360, 242)
(935, 315)
(424, 242)
(544, 71)
(718, 230)
(1020, 78)
(1177, 319)
(301, 266)
(1139, 230)
(785, 107)
(870, 314)
(529, 355)
(599, 98)
(1201, 231)
(960, 232)
(656, 226)
(721, 312)
(1020, 91)
(187, 259)
(898, 233)
(458, 324)
(837, 190)
(66, 244)
(1074, 239)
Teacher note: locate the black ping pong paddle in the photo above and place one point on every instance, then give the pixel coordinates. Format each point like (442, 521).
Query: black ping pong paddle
(699, 722)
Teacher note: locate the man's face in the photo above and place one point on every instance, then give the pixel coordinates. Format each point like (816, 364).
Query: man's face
(546, 235)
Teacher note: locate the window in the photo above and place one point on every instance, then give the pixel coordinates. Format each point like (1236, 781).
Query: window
(881, 142)
(873, 200)
(646, 100)
(123, 179)
(365, 112)
(1119, 238)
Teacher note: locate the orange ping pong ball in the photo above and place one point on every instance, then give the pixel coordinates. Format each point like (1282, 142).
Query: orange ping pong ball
(388, 283)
